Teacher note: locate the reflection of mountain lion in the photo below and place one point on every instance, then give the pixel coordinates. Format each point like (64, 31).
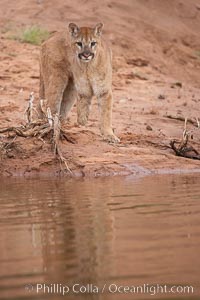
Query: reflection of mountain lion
(78, 62)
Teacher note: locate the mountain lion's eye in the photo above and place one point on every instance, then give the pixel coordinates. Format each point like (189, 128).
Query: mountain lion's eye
(79, 44)
(93, 44)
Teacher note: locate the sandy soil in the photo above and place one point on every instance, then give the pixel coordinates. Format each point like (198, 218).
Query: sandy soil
(155, 45)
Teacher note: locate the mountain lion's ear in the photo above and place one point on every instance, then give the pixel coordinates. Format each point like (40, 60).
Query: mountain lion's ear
(73, 29)
(98, 29)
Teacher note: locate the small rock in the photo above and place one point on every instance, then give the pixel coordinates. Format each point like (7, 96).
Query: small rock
(161, 97)
(10, 155)
(123, 100)
(8, 119)
(128, 81)
(148, 127)
(179, 84)
(176, 84)
(198, 6)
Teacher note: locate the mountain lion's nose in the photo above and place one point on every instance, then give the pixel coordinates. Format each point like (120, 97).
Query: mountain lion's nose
(86, 54)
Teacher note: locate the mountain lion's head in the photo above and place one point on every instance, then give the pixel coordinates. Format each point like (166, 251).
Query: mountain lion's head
(85, 41)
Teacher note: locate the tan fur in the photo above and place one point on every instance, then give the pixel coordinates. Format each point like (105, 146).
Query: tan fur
(69, 71)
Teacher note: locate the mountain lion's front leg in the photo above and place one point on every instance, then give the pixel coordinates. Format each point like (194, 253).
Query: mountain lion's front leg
(54, 88)
(105, 101)
(83, 109)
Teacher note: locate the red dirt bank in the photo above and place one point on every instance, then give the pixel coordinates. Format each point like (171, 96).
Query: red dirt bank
(155, 44)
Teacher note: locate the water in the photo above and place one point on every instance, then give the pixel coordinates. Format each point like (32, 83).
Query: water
(114, 231)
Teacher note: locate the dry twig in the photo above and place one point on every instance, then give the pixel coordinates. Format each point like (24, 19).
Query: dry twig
(30, 108)
(181, 118)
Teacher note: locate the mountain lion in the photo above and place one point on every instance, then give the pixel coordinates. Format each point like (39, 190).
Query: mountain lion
(76, 64)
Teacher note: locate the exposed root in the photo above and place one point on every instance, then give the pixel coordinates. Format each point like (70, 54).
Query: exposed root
(181, 148)
(28, 130)
(49, 117)
(42, 130)
(56, 132)
(6, 145)
(62, 159)
(184, 150)
(49, 128)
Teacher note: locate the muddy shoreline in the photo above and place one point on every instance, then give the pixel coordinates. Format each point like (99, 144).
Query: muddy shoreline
(129, 170)
(117, 165)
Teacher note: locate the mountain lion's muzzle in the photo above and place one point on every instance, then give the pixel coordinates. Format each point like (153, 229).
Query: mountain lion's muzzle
(86, 55)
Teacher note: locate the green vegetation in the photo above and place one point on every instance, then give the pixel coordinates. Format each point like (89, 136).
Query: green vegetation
(32, 35)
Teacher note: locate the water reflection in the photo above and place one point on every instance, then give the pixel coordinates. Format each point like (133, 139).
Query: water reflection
(112, 230)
